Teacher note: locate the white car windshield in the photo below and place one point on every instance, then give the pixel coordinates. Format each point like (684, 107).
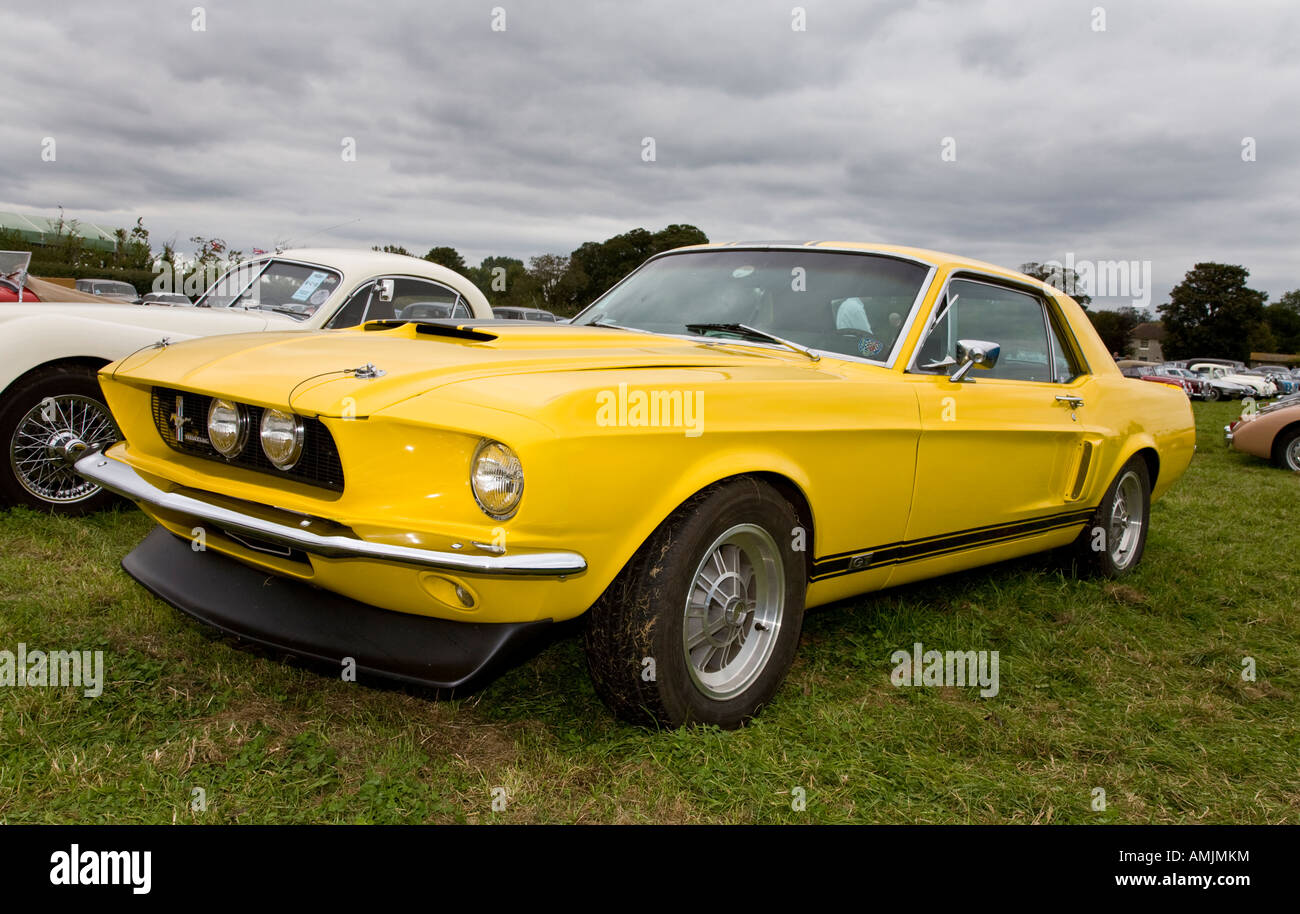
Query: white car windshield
(294, 289)
(851, 304)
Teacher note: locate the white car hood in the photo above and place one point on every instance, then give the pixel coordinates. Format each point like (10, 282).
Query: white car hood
(185, 321)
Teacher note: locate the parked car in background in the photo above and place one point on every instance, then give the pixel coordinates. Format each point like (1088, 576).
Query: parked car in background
(1286, 382)
(19, 285)
(1153, 373)
(13, 276)
(1226, 363)
(1271, 432)
(50, 398)
(434, 310)
(1200, 388)
(109, 289)
(511, 313)
(702, 454)
(1254, 386)
(175, 299)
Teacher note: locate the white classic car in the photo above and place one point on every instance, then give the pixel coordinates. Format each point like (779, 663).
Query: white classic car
(50, 352)
(1263, 387)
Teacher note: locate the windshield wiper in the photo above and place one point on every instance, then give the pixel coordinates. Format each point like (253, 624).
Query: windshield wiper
(601, 322)
(278, 310)
(753, 333)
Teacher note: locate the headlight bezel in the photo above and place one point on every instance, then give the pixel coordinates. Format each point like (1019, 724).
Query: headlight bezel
(510, 510)
(241, 427)
(297, 439)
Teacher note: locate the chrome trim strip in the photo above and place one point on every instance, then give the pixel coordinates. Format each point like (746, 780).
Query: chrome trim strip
(117, 477)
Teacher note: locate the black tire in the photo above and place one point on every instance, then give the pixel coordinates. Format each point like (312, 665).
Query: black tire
(636, 634)
(25, 409)
(1212, 394)
(1286, 452)
(1095, 551)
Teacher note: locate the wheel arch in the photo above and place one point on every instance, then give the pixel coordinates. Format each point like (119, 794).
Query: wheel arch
(1278, 436)
(784, 483)
(1151, 457)
(94, 363)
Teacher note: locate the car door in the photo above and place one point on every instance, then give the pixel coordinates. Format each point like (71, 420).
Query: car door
(1004, 453)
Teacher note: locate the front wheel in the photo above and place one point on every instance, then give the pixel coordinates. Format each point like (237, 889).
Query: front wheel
(44, 420)
(1113, 543)
(1212, 394)
(702, 624)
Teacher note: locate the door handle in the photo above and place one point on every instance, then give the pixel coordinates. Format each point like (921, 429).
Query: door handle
(1075, 402)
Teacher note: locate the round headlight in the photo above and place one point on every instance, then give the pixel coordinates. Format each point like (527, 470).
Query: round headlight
(281, 438)
(227, 427)
(497, 479)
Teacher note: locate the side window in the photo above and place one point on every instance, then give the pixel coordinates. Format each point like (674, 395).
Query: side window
(416, 298)
(461, 310)
(354, 309)
(976, 310)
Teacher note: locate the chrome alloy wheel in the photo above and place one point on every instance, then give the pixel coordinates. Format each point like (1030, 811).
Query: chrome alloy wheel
(1292, 454)
(48, 440)
(1126, 520)
(733, 611)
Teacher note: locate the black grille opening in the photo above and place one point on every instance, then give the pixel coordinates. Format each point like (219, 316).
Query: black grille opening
(318, 466)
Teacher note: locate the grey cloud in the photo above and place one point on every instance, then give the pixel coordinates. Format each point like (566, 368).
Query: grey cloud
(1116, 145)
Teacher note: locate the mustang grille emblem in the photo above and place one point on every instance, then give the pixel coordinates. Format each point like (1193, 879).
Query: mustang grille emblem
(179, 420)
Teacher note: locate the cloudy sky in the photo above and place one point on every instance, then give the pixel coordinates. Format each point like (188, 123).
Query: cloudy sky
(1009, 131)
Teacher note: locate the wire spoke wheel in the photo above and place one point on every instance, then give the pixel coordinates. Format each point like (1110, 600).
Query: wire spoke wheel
(43, 439)
(733, 611)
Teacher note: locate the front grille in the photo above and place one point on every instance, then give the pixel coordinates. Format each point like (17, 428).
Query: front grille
(318, 466)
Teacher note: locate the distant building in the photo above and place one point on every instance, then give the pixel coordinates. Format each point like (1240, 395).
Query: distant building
(1145, 342)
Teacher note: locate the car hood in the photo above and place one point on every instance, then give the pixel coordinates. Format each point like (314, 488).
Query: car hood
(318, 371)
(185, 322)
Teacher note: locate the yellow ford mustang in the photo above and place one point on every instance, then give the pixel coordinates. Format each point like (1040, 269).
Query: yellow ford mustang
(732, 434)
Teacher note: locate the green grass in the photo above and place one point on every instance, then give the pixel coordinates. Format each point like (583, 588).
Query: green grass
(1135, 688)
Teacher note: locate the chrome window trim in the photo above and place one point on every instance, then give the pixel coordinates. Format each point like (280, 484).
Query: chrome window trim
(459, 298)
(983, 277)
(904, 330)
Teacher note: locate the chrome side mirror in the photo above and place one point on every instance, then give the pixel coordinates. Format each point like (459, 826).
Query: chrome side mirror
(384, 290)
(974, 354)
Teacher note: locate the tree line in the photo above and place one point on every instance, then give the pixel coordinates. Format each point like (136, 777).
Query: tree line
(1212, 312)
(560, 283)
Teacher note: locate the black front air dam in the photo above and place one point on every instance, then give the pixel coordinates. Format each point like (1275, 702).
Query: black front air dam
(309, 622)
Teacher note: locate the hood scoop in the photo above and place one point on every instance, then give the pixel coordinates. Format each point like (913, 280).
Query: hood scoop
(435, 328)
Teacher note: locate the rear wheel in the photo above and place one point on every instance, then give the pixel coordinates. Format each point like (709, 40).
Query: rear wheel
(702, 624)
(44, 421)
(1286, 449)
(1113, 543)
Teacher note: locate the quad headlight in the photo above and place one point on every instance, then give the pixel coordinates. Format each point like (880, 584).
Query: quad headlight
(281, 438)
(497, 479)
(227, 427)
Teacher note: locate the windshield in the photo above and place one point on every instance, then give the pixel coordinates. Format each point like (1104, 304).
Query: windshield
(851, 304)
(114, 288)
(286, 288)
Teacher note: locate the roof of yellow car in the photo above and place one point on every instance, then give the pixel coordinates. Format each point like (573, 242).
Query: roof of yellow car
(938, 258)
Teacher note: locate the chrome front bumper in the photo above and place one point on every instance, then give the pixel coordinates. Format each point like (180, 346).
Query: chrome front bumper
(1227, 435)
(118, 477)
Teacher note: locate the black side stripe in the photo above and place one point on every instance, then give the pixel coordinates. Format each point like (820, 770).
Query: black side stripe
(931, 547)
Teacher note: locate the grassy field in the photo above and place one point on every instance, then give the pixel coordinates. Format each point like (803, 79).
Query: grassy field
(1132, 688)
